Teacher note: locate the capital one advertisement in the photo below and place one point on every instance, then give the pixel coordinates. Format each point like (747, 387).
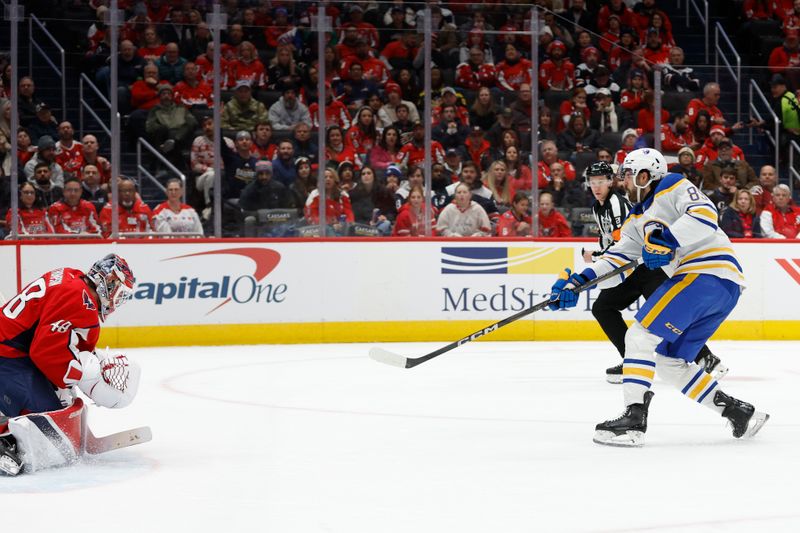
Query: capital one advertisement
(375, 281)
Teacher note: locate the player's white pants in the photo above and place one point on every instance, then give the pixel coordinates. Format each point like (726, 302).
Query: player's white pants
(640, 365)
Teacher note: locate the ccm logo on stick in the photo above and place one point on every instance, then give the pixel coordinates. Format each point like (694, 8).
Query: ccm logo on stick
(478, 334)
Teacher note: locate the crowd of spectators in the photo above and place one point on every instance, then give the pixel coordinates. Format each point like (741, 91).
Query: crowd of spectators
(595, 77)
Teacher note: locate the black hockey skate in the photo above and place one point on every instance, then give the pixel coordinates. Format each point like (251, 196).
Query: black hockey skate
(712, 365)
(614, 374)
(10, 463)
(744, 418)
(628, 429)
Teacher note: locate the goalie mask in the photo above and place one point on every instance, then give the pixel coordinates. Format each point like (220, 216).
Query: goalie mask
(113, 281)
(639, 160)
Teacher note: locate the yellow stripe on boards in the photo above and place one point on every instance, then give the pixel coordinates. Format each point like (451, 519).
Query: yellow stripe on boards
(439, 331)
(649, 374)
(667, 298)
(700, 386)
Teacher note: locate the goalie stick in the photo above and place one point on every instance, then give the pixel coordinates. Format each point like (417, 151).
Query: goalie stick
(394, 359)
(115, 441)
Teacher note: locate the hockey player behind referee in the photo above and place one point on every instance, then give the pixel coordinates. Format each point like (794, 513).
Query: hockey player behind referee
(610, 210)
(672, 226)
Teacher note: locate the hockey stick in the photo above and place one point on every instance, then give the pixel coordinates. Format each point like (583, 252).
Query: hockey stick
(391, 358)
(115, 441)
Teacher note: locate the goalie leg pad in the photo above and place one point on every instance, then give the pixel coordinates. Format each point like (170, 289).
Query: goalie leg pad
(49, 439)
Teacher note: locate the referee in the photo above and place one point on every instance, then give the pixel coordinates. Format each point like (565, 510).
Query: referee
(610, 210)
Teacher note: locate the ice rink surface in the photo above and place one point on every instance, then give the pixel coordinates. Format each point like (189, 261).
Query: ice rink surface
(492, 437)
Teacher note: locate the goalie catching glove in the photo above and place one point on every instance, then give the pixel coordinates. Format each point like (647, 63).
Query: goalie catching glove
(111, 381)
(562, 293)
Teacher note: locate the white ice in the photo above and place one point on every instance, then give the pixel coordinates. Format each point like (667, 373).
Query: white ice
(492, 437)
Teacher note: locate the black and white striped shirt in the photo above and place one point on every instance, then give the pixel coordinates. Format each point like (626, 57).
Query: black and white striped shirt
(609, 216)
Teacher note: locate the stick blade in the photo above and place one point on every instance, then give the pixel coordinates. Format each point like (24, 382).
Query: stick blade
(388, 358)
(115, 441)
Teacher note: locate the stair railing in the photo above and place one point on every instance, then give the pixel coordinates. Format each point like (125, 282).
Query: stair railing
(83, 103)
(141, 170)
(702, 15)
(793, 174)
(62, 72)
(719, 54)
(772, 136)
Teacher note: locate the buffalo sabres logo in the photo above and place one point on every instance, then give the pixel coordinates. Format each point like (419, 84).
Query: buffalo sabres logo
(88, 303)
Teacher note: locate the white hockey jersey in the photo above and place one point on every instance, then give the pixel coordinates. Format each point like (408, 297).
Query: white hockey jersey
(691, 218)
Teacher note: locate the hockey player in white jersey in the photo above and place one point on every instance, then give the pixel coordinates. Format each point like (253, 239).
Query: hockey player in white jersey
(672, 226)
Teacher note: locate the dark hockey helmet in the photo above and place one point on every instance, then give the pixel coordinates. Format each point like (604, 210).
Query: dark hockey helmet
(600, 168)
(113, 281)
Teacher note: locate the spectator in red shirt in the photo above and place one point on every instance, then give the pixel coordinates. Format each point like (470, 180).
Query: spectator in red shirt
(676, 135)
(514, 70)
(576, 104)
(413, 152)
(25, 149)
(516, 222)
(646, 119)
(632, 97)
(205, 62)
(710, 150)
(134, 215)
(335, 111)
(618, 8)
(31, 213)
(629, 138)
(246, 67)
(402, 52)
(69, 152)
(91, 157)
(785, 59)
(558, 72)
(781, 220)
(549, 151)
(192, 92)
(476, 73)
(767, 180)
(740, 219)
(611, 36)
(144, 97)
(654, 50)
(366, 31)
(262, 147)
(708, 103)
(478, 147)
(337, 204)
(72, 214)
(551, 222)
(411, 217)
(280, 25)
(151, 48)
(363, 134)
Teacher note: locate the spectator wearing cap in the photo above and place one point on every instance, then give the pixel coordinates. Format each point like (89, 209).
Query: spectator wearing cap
(239, 168)
(413, 152)
(476, 72)
(394, 25)
(710, 150)
(677, 76)
(610, 38)
(629, 138)
(745, 175)
(43, 124)
(453, 162)
(601, 78)
(785, 106)
(373, 69)
(394, 97)
(608, 117)
(556, 73)
(654, 51)
(242, 112)
(336, 112)
(451, 98)
(478, 148)
(170, 126)
(590, 60)
(26, 101)
(505, 122)
(615, 8)
(514, 70)
(246, 67)
(288, 111)
(676, 135)
(631, 98)
(280, 25)
(620, 56)
(46, 153)
(365, 31)
(170, 64)
(785, 58)
(686, 167)
(264, 192)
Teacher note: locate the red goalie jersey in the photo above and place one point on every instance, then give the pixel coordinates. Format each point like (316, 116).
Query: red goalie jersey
(50, 321)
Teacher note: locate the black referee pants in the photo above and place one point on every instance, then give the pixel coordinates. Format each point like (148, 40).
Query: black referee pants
(607, 309)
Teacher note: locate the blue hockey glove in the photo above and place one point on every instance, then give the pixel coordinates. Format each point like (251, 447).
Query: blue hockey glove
(562, 295)
(659, 248)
